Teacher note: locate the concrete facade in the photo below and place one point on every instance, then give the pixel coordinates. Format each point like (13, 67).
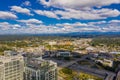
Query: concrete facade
(39, 69)
(11, 67)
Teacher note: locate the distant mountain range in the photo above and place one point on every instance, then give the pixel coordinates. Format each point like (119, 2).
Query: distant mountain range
(82, 34)
(73, 34)
(93, 34)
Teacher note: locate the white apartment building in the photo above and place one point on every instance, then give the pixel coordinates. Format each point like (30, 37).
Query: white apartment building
(39, 69)
(11, 66)
(118, 76)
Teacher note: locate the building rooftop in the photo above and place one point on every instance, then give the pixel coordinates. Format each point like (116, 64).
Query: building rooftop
(9, 55)
(39, 63)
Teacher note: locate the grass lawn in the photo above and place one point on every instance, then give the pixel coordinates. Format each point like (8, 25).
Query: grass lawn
(84, 76)
(68, 74)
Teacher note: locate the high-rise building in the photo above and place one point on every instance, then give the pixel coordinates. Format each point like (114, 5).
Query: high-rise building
(11, 66)
(118, 76)
(39, 69)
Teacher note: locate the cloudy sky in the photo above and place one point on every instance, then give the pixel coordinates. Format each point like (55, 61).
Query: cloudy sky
(59, 16)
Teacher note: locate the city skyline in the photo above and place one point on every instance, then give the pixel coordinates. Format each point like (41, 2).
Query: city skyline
(59, 16)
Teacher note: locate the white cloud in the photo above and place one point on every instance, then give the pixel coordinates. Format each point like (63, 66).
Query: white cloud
(111, 28)
(7, 15)
(81, 10)
(33, 26)
(87, 14)
(77, 27)
(99, 22)
(26, 3)
(4, 26)
(46, 13)
(107, 12)
(91, 14)
(111, 22)
(77, 24)
(8, 26)
(74, 14)
(75, 4)
(19, 9)
(31, 21)
(114, 21)
(100, 26)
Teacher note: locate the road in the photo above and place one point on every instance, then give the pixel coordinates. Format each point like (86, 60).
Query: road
(100, 73)
(67, 64)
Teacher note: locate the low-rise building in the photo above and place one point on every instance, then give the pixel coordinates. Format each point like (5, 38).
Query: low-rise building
(114, 52)
(63, 54)
(91, 49)
(106, 62)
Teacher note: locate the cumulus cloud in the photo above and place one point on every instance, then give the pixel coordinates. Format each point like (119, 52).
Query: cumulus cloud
(87, 14)
(33, 28)
(74, 14)
(100, 26)
(77, 27)
(91, 14)
(75, 4)
(111, 22)
(49, 14)
(114, 21)
(81, 10)
(26, 3)
(77, 24)
(107, 12)
(4, 26)
(64, 9)
(8, 26)
(31, 21)
(19, 9)
(97, 23)
(7, 15)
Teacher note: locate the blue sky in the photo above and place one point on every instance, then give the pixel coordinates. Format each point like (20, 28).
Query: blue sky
(59, 16)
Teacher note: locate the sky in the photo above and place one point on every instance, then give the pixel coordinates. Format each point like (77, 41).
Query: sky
(59, 16)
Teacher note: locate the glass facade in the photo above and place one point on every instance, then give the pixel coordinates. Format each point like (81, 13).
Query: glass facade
(46, 70)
